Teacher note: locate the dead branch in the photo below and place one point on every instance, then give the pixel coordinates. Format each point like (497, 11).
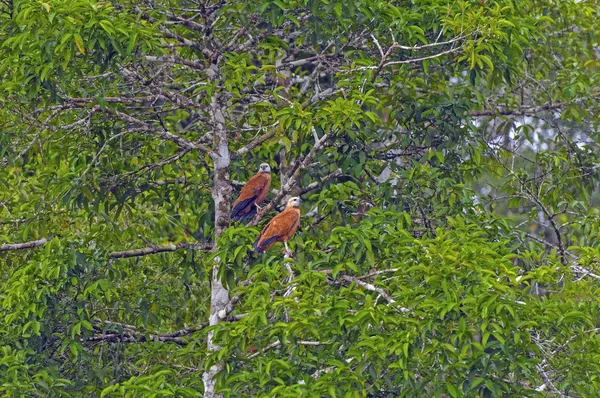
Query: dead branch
(277, 343)
(256, 142)
(131, 335)
(267, 348)
(369, 286)
(183, 143)
(532, 110)
(144, 251)
(24, 245)
(376, 273)
(317, 184)
(128, 337)
(533, 197)
(176, 61)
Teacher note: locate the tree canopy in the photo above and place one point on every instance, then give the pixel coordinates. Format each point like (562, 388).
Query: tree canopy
(446, 152)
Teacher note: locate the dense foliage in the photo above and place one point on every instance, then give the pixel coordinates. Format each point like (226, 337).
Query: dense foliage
(446, 154)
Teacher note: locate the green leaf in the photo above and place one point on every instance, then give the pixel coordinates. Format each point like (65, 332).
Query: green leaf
(452, 390)
(279, 4)
(79, 42)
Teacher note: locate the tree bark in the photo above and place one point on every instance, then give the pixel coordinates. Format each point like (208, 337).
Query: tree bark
(221, 193)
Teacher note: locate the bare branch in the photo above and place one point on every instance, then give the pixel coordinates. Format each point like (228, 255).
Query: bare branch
(574, 267)
(581, 270)
(378, 46)
(417, 60)
(45, 124)
(169, 160)
(436, 44)
(277, 343)
(129, 333)
(368, 286)
(526, 110)
(144, 251)
(26, 245)
(328, 369)
(533, 197)
(298, 62)
(317, 184)
(547, 382)
(545, 242)
(128, 337)
(144, 126)
(402, 62)
(185, 41)
(183, 143)
(115, 100)
(376, 273)
(267, 348)
(256, 142)
(176, 61)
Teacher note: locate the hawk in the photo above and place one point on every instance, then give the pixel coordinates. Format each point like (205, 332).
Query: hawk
(280, 228)
(253, 193)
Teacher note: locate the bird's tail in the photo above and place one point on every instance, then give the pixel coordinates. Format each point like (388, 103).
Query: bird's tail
(243, 210)
(257, 248)
(261, 246)
(249, 215)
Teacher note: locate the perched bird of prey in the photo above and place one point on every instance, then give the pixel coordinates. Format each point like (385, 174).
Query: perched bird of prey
(253, 193)
(280, 228)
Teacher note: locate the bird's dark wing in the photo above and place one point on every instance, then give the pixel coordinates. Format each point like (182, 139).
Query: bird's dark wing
(244, 207)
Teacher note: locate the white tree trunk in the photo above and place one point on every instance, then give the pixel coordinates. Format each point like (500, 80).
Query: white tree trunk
(221, 193)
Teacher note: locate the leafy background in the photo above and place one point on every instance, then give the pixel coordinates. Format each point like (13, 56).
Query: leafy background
(446, 153)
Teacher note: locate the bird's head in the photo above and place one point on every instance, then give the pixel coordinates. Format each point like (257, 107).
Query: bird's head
(264, 168)
(294, 202)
